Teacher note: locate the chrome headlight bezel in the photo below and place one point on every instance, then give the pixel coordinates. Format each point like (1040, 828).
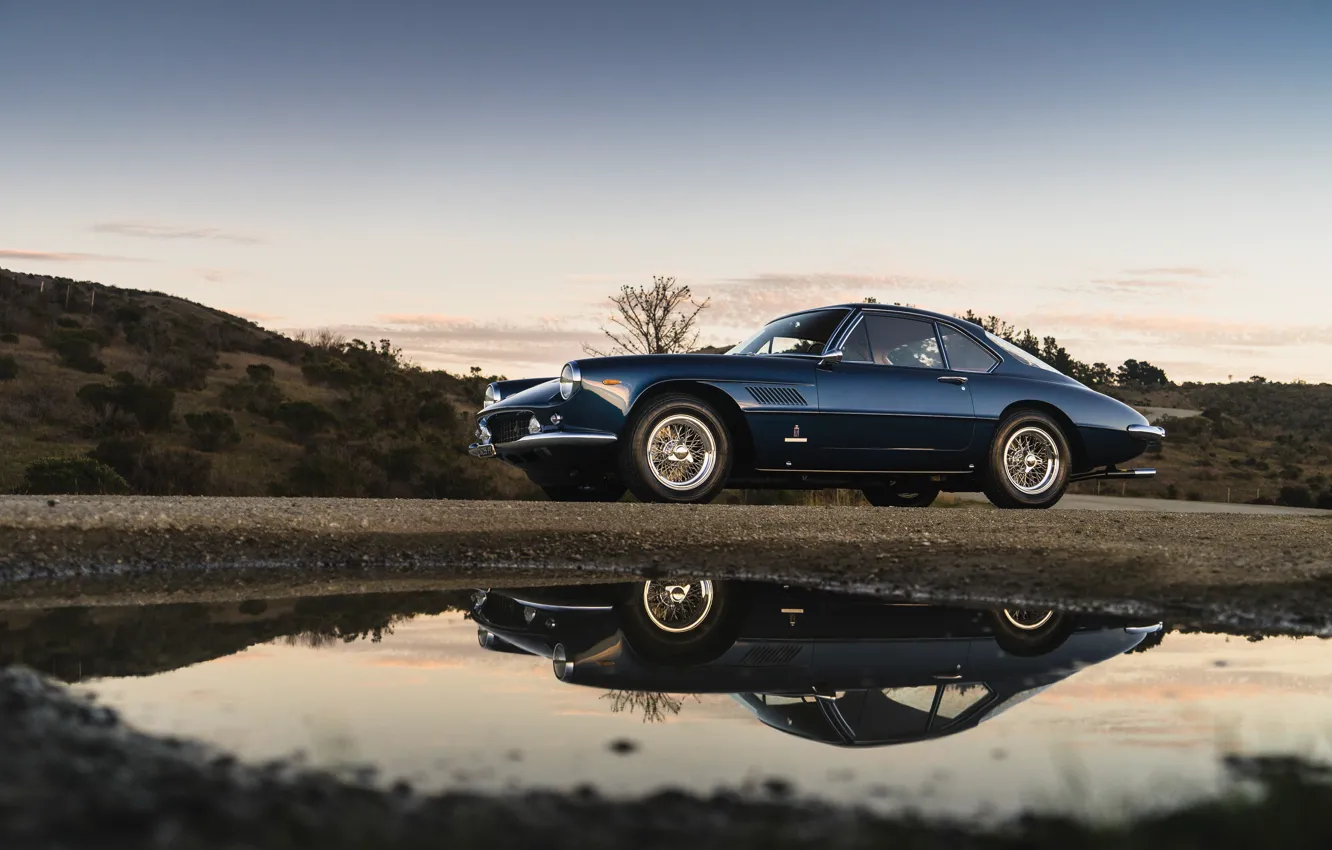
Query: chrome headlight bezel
(492, 396)
(571, 378)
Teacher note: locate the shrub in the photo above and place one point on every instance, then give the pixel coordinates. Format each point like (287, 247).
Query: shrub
(8, 368)
(212, 430)
(1172, 492)
(438, 412)
(1324, 500)
(9, 338)
(78, 349)
(70, 476)
(156, 471)
(334, 474)
(304, 418)
(150, 405)
(68, 322)
(129, 314)
(184, 369)
(260, 373)
(263, 399)
(1295, 496)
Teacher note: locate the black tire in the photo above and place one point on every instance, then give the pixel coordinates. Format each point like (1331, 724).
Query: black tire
(1026, 633)
(688, 412)
(699, 642)
(898, 496)
(608, 492)
(1045, 433)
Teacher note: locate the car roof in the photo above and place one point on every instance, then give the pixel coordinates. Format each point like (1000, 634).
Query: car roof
(893, 308)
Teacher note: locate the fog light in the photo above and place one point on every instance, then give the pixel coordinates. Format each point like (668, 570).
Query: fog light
(556, 419)
(529, 614)
(534, 427)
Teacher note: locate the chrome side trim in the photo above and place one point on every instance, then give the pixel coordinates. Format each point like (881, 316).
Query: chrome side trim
(1143, 630)
(1146, 432)
(562, 438)
(1142, 472)
(877, 471)
(553, 606)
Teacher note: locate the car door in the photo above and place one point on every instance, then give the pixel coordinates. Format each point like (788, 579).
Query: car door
(891, 404)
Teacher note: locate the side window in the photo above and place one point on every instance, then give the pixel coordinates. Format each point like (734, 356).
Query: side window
(890, 713)
(957, 700)
(856, 348)
(897, 341)
(964, 353)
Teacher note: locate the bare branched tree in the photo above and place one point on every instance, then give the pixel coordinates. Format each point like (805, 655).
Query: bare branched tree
(656, 320)
(654, 707)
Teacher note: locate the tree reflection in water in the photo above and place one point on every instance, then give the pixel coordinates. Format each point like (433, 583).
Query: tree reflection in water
(654, 706)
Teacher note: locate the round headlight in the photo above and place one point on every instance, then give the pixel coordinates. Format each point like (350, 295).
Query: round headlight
(570, 379)
(492, 396)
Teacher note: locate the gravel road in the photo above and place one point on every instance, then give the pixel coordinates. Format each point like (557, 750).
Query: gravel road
(1230, 570)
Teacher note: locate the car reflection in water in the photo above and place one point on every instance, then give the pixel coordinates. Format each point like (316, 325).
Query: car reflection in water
(835, 668)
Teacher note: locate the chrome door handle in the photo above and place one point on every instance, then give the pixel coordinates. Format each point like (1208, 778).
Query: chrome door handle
(948, 676)
(952, 379)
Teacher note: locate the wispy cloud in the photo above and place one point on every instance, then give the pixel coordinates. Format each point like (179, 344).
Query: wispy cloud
(751, 300)
(255, 317)
(64, 257)
(1134, 286)
(164, 231)
(213, 275)
(454, 343)
(1183, 330)
(1174, 271)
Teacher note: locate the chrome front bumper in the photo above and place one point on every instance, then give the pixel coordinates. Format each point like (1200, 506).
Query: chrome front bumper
(543, 440)
(1146, 432)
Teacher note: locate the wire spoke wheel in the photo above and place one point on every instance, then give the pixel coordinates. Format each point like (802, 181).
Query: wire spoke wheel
(1026, 619)
(681, 452)
(1031, 460)
(677, 607)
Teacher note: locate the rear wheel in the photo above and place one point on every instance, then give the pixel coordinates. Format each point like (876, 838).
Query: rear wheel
(1030, 631)
(678, 451)
(605, 492)
(1028, 462)
(682, 621)
(898, 496)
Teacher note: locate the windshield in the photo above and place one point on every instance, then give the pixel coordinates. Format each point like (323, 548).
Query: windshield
(1020, 355)
(803, 333)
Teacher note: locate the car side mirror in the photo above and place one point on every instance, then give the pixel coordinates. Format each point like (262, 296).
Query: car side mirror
(830, 358)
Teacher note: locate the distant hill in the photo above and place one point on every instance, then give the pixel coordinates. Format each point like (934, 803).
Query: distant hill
(111, 390)
(116, 390)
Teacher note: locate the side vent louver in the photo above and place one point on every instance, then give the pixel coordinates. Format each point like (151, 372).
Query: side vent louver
(786, 396)
(771, 655)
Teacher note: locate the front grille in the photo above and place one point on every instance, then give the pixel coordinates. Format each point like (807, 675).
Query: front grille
(503, 612)
(769, 655)
(507, 427)
(788, 396)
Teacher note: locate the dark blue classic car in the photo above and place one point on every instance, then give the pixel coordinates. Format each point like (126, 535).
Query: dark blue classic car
(897, 402)
(836, 668)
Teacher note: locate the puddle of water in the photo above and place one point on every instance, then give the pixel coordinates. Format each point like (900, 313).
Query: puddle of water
(631, 689)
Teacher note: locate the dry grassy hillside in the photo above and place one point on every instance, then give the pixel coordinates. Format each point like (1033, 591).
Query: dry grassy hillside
(178, 398)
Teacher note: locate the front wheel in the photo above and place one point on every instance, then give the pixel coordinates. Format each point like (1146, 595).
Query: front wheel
(678, 451)
(1028, 463)
(898, 497)
(608, 492)
(681, 621)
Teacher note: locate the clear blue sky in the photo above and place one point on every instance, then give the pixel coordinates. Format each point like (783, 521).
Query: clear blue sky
(1143, 179)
